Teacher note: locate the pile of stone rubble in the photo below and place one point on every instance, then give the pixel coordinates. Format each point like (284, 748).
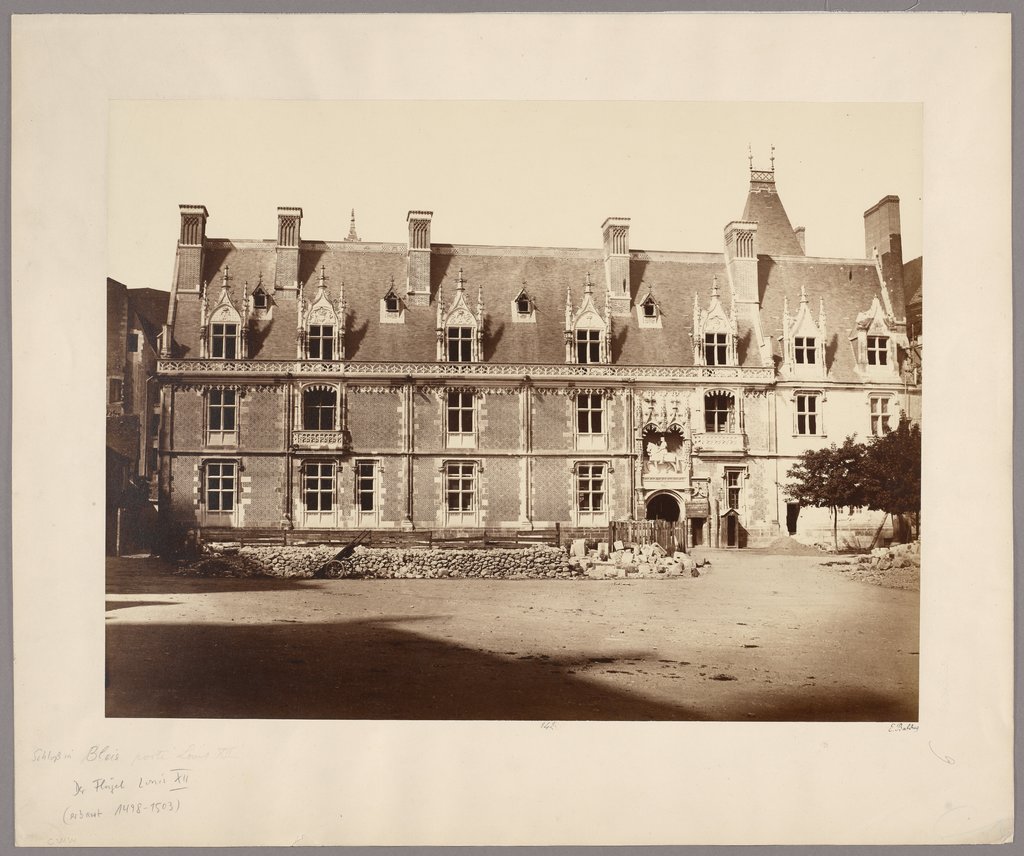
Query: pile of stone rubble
(644, 560)
(898, 567)
(534, 562)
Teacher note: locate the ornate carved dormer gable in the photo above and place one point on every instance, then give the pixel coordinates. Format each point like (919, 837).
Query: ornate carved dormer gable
(459, 328)
(803, 340)
(586, 332)
(874, 339)
(220, 327)
(319, 322)
(648, 311)
(715, 332)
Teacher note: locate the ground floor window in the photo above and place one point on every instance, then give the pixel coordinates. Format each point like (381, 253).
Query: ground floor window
(366, 486)
(590, 492)
(318, 480)
(221, 484)
(461, 487)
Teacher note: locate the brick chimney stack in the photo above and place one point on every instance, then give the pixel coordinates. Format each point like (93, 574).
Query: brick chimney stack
(742, 260)
(289, 239)
(189, 263)
(418, 258)
(882, 234)
(615, 231)
(801, 237)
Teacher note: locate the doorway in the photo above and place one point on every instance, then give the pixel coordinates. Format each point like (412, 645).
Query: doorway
(664, 506)
(697, 531)
(731, 531)
(792, 513)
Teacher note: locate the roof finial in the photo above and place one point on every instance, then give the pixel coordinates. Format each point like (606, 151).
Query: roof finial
(461, 282)
(588, 288)
(259, 281)
(323, 276)
(803, 294)
(224, 280)
(750, 157)
(773, 157)
(714, 286)
(352, 236)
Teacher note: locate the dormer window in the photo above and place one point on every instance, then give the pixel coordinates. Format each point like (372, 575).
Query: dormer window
(523, 305)
(260, 299)
(392, 310)
(804, 350)
(878, 350)
(716, 349)
(391, 303)
(460, 344)
(459, 328)
(320, 341)
(223, 341)
(649, 308)
(588, 346)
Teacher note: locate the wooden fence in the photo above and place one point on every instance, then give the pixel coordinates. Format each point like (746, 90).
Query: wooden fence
(670, 536)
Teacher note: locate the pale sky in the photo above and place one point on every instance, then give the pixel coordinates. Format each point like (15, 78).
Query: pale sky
(501, 172)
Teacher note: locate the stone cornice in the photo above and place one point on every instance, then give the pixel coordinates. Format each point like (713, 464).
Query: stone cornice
(279, 369)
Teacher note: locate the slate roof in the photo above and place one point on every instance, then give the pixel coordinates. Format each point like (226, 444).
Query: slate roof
(368, 269)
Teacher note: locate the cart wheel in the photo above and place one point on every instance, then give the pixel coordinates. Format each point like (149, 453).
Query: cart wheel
(338, 569)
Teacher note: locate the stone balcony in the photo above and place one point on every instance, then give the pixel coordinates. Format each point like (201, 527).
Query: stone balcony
(720, 442)
(334, 441)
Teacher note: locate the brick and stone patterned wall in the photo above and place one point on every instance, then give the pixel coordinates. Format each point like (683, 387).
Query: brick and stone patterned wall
(262, 483)
(501, 489)
(189, 419)
(428, 492)
(374, 420)
(185, 489)
(552, 490)
(615, 412)
(500, 422)
(553, 422)
(262, 423)
(392, 490)
(756, 422)
(428, 412)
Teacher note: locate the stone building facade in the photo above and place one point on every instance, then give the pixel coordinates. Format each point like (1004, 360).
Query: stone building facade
(352, 384)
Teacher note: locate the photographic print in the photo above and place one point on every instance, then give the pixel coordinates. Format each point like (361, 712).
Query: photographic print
(511, 429)
(575, 465)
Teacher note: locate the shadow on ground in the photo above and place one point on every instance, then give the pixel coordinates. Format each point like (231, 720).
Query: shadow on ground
(375, 669)
(155, 576)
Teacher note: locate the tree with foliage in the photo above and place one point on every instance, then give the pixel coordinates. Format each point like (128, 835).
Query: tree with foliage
(892, 472)
(829, 478)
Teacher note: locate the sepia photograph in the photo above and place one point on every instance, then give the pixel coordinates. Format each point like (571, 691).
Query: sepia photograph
(512, 429)
(470, 424)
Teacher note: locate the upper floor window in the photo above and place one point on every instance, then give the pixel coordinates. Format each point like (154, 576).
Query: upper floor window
(590, 413)
(115, 387)
(716, 349)
(320, 341)
(460, 344)
(878, 350)
(879, 415)
(588, 346)
(223, 341)
(733, 488)
(461, 419)
(807, 413)
(319, 406)
(133, 342)
(804, 350)
(719, 413)
(221, 417)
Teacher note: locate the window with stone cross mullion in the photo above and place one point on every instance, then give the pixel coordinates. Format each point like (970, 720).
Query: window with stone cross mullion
(223, 341)
(320, 342)
(588, 346)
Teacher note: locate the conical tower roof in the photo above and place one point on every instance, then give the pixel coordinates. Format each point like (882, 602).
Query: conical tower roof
(775, 235)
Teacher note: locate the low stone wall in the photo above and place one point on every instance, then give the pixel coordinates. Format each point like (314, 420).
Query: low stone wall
(388, 563)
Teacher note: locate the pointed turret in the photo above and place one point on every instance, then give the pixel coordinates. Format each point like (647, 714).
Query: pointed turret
(775, 235)
(353, 237)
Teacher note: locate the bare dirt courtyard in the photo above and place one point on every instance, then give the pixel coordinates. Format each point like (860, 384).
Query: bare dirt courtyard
(756, 637)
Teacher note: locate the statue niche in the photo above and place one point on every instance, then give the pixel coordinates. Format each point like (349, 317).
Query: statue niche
(664, 451)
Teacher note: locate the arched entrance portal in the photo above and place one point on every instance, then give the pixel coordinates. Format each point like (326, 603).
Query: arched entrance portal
(663, 506)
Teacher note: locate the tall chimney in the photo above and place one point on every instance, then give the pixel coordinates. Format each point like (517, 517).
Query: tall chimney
(882, 235)
(615, 231)
(189, 263)
(289, 223)
(418, 257)
(801, 237)
(741, 260)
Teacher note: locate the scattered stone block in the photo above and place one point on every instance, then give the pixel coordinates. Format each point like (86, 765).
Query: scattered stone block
(619, 546)
(579, 547)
